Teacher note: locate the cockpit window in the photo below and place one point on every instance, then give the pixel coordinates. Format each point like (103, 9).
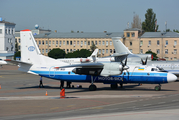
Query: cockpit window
(154, 69)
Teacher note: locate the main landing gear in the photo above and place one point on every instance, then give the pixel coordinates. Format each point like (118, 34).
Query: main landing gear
(92, 87)
(158, 88)
(114, 86)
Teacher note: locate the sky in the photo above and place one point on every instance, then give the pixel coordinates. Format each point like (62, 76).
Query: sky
(87, 15)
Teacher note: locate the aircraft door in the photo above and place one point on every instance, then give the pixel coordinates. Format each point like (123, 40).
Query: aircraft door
(52, 71)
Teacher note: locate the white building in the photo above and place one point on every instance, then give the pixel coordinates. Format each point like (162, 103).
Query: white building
(7, 39)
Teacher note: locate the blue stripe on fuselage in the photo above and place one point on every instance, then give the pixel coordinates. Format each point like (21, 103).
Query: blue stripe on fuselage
(135, 77)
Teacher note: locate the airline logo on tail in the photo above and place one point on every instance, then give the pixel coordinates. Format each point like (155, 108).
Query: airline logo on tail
(31, 48)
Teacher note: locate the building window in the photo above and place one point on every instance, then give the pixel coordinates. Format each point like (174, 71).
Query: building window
(99, 51)
(6, 31)
(46, 50)
(53, 42)
(49, 50)
(110, 42)
(175, 58)
(60, 43)
(42, 51)
(0, 31)
(92, 42)
(42, 42)
(128, 34)
(114, 51)
(46, 42)
(64, 42)
(149, 42)
(74, 50)
(175, 51)
(19, 47)
(166, 51)
(130, 43)
(103, 51)
(103, 42)
(77, 42)
(158, 51)
(16, 40)
(158, 42)
(110, 50)
(99, 42)
(175, 43)
(56, 42)
(39, 42)
(133, 34)
(166, 42)
(70, 50)
(71, 43)
(67, 50)
(106, 50)
(19, 40)
(85, 42)
(96, 43)
(67, 42)
(130, 50)
(49, 42)
(141, 43)
(88, 42)
(141, 51)
(106, 43)
(81, 43)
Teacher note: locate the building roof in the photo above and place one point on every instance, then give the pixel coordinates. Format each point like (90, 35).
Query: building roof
(80, 35)
(17, 34)
(6, 54)
(160, 35)
(6, 22)
(133, 29)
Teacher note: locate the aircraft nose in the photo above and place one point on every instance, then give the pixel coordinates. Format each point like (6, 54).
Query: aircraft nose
(171, 77)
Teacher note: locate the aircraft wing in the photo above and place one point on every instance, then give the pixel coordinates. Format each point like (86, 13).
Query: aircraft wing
(90, 65)
(16, 62)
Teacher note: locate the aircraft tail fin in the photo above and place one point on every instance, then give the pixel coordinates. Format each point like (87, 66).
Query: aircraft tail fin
(94, 55)
(119, 46)
(30, 52)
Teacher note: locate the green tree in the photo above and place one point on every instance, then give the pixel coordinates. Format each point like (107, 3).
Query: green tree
(17, 54)
(153, 54)
(78, 54)
(16, 47)
(56, 53)
(175, 30)
(150, 19)
(93, 47)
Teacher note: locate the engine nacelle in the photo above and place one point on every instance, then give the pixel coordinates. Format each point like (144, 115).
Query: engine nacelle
(84, 60)
(111, 69)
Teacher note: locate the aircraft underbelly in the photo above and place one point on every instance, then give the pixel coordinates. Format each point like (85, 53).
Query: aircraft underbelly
(133, 78)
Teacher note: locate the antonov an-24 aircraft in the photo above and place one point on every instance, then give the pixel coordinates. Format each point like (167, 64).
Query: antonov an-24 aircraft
(114, 73)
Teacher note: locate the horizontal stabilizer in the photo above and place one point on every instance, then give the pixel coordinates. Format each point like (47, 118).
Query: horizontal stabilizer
(16, 62)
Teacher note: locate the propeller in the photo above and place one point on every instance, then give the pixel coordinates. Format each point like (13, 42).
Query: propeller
(124, 66)
(144, 63)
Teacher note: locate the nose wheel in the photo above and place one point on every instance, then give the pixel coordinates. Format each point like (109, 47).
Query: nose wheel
(158, 88)
(92, 87)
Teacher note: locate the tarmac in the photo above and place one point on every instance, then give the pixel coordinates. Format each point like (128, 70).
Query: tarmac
(21, 98)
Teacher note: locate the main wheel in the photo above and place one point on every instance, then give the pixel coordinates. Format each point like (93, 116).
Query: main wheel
(157, 88)
(92, 87)
(114, 86)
